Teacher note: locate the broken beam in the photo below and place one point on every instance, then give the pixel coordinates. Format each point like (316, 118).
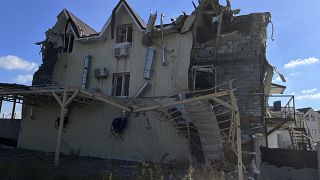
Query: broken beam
(60, 130)
(103, 99)
(13, 109)
(215, 95)
(1, 99)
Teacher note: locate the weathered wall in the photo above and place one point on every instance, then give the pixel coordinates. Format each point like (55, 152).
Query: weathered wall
(10, 128)
(273, 172)
(241, 56)
(166, 80)
(87, 132)
(288, 164)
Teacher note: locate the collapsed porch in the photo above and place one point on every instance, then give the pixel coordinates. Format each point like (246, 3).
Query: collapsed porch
(65, 97)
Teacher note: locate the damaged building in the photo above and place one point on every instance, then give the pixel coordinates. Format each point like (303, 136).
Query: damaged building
(136, 91)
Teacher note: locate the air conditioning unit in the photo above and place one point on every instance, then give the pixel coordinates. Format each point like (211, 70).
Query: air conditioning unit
(101, 73)
(121, 52)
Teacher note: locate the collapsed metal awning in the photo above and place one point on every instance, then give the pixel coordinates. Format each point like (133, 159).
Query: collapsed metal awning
(277, 89)
(64, 97)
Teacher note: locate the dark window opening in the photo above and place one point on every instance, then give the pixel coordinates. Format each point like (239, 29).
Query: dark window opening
(124, 33)
(71, 39)
(68, 43)
(120, 86)
(204, 80)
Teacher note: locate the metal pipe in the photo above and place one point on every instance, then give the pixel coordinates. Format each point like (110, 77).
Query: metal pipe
(85, 71)
(139, 92)
(164, 63)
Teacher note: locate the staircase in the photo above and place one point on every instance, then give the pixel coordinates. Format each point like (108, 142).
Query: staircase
(204, 119)
(299, 139)
(197, 122)
(187, 128)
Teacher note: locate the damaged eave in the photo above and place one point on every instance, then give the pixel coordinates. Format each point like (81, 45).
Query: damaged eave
(101, 36)
(277, 89)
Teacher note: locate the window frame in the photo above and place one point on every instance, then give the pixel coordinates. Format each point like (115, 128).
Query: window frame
(68, 42)
(125, 80)
(126, 26)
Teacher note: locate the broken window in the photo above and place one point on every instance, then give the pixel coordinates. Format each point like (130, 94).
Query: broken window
(124, 34)
(120, 85)
(68, 43)
(204, 77)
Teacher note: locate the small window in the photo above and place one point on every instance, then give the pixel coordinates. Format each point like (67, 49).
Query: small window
(120, 85)
(203, 78)
(124, 34)
(68, 43)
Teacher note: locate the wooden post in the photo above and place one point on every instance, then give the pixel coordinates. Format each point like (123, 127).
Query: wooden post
(63, 105)
(0, 104)
(13, 108)
(60, 131)
(257, 144)
(238, 132)
(318, 158)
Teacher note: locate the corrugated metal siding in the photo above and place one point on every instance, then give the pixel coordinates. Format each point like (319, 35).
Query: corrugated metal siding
(88, 133)
(166, 80)
(89, 124)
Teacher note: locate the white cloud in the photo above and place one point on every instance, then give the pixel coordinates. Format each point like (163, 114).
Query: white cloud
(24, 79)
(308, 91)
(309, 96)
(16, 63)
(296, 74)
(300, 62)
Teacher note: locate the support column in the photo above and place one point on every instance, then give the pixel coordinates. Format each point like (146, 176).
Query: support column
(318, 158)
(1, 98)
(13, 108)
(238, 133)
(60, 131)
(64, 103)
(257, 144)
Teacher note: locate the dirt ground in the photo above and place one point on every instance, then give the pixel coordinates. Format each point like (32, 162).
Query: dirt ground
(22, 164)
(25, 164)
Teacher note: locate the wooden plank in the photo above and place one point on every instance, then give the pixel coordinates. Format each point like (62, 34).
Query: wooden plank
(72, 98)
(57, 99)
(219, 94)
(103, 99)
(18, 92)
(13, 109)
(238, 132)
(60, 131)
(224, 104)
(1, 98)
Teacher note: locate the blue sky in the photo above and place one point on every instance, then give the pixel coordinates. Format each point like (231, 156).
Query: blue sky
(295, 50)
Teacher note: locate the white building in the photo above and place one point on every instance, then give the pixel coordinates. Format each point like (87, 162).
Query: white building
(312, 122)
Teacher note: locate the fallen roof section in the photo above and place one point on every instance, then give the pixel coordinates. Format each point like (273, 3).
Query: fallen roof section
(277, 88)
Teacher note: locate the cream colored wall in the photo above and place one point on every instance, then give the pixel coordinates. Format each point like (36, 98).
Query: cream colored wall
(165, 81)
(88, 132)
(89, 124)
